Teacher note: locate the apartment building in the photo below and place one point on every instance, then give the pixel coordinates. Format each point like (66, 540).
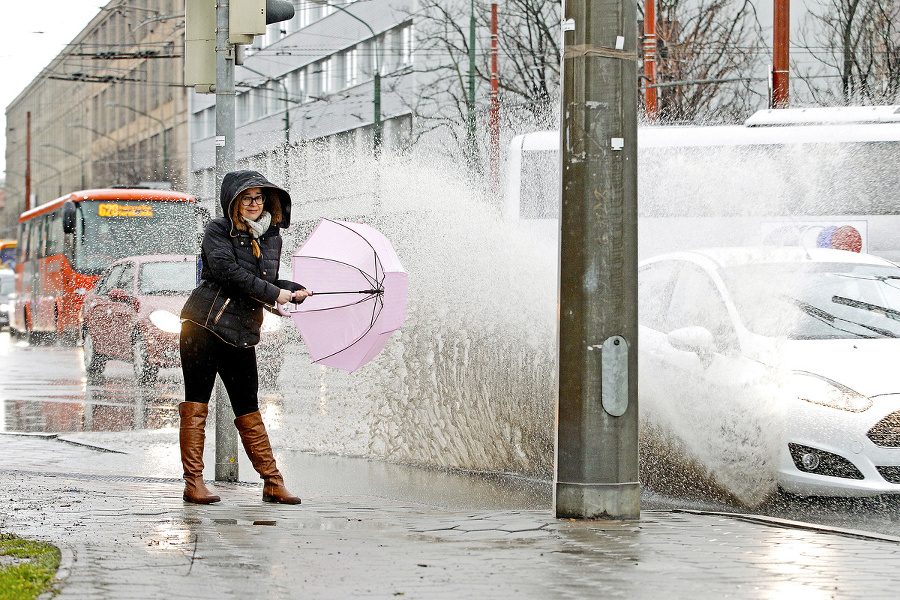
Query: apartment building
(311, 80)
(108, 110)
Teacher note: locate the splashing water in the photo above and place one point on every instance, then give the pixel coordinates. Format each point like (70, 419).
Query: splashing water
(469, 381)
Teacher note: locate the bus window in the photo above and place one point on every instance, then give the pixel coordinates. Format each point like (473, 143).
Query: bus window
(54, 234)
(22, 244)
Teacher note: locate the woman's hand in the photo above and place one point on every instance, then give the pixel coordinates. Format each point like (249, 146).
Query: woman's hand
(301, 295)
(284, 296)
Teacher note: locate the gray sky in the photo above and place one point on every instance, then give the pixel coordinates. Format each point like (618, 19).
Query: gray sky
(33, 35)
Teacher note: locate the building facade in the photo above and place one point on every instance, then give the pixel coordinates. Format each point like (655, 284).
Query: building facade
(109, 110)
(311, 80)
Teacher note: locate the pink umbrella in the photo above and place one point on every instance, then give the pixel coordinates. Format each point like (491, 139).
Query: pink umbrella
(359, 293)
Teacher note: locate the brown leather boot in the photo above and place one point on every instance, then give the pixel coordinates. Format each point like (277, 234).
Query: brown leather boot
(192, 436)
(256, 443)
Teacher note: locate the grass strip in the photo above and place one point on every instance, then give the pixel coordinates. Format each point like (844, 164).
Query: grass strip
(30, 571)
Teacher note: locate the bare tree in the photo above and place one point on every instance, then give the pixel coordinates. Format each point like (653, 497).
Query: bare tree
(855, 50)
(708, 52)
(529, 61)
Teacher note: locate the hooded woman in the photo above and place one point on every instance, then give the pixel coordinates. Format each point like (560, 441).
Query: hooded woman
(240, 256)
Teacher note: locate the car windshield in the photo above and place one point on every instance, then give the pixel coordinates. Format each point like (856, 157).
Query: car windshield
(168, 278)
(817, 300)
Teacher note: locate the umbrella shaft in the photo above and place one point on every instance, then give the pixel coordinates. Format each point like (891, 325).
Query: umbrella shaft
(358, 292)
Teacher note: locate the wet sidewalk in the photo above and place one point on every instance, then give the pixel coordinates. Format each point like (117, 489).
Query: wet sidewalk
(126, 533)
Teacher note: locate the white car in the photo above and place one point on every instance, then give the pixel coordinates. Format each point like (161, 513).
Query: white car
(765, 367)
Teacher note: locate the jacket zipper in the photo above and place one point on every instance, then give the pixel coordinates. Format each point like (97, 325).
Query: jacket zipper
(221, 310)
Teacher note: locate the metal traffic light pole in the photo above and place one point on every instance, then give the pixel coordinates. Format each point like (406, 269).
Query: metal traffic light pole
(226, 433)
(597, 412)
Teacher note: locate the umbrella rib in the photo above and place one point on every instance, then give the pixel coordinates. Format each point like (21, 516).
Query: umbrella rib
(372, 280)
(375, 313)
(368, 243)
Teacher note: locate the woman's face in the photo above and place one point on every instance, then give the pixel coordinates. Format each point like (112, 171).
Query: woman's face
(251, 202)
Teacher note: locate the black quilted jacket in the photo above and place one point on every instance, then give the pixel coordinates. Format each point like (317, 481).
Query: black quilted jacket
(234, 284)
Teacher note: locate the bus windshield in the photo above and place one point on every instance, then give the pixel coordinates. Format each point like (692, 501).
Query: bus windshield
(114, 229)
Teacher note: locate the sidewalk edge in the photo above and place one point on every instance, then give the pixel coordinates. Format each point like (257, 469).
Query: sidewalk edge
(787, 523)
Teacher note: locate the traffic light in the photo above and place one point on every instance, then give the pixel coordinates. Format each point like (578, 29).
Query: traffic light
(200, 44)
(247, 18)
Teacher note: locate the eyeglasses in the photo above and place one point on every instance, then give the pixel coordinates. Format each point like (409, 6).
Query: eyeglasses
(248, 200)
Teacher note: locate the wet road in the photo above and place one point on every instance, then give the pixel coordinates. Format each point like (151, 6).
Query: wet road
(44, 389)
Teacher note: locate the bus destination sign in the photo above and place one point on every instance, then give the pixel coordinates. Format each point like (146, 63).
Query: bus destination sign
(119, 210)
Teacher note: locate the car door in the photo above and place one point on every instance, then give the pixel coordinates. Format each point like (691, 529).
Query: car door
(121, 312)
(709, 399)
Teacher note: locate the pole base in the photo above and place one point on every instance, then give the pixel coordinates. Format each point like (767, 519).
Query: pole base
(608, 501)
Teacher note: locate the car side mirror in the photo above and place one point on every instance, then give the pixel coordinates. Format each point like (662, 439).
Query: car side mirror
(118, 295)
(693, 339)
(68, 216)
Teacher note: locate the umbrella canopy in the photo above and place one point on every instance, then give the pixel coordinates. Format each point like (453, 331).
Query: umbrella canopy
(359, 293)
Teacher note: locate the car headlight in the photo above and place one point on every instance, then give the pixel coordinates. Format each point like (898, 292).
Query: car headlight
(824, 391)
(165, 321)
(4, 308)
(271, 322)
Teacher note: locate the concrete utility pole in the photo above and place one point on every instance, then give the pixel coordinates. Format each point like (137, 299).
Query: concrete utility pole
(226, 434)
(597, 412)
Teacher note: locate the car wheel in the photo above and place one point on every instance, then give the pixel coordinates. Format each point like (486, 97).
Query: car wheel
(94, 362)
(144, 372)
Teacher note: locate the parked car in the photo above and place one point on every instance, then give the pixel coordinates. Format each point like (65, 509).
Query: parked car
(774, 366)
(132, 314)
(7, 289)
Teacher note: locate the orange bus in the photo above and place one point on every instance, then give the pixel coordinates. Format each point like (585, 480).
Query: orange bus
(65, 244)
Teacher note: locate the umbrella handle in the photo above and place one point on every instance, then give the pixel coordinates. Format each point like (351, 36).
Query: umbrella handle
(281, 310)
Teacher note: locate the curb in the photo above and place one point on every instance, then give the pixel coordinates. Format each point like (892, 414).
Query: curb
(58, 437)
(66, 564)
(788, 524)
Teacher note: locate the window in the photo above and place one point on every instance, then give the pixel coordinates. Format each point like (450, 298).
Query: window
(242, 107)
(696, 301)
(314, 80)
(328, 74)
(108, 282)
(126, 279)
(276, 96)
(296, 85)
(41, 236)
(656, 282)
(406, 45)
(168, 278)
(54, 234)
(258, 102)
(351, 67)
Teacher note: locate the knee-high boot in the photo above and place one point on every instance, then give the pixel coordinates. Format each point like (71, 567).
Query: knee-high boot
(192, 436)
(256, 443)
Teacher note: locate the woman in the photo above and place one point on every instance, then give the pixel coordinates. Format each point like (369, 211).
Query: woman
(221, 321)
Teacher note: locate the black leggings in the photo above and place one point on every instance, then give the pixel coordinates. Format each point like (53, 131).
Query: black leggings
(203, 354)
